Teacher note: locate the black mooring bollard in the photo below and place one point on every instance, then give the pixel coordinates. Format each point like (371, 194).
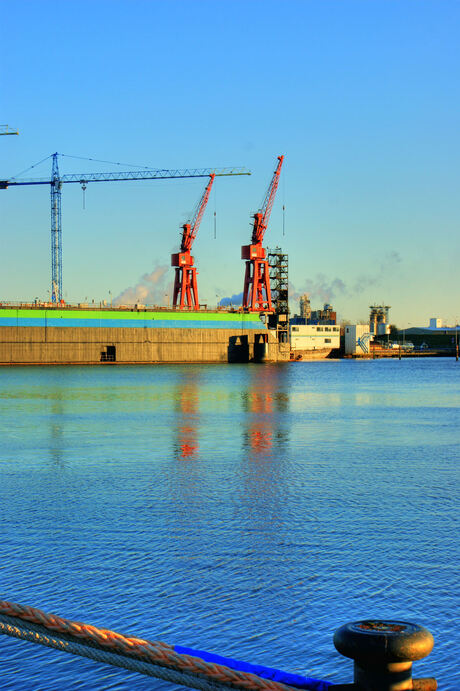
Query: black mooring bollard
(383, 653)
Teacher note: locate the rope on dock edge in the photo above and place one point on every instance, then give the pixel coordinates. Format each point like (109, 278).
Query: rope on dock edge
(153, 658)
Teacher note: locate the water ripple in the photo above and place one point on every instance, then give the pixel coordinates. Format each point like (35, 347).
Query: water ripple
(245, 510)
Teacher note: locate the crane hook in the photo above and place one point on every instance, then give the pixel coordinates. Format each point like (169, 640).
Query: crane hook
(83, 187)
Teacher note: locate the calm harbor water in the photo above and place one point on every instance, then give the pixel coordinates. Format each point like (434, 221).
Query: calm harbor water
(246, 510)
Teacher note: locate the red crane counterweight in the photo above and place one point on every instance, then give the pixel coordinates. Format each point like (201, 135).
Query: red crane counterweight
(185, 294)
(257, 293)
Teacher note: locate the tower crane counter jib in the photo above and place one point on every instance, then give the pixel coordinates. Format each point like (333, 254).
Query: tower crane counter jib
(185, 284)
(256, 293)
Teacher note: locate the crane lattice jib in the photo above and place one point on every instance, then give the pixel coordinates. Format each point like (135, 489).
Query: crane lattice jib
(4, 129)
(263, 215)
(191, 229)
(130, 175)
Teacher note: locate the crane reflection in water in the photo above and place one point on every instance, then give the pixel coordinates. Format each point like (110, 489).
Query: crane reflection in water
(186, 445)
(56, 424)
(262, 471)
(263, 400)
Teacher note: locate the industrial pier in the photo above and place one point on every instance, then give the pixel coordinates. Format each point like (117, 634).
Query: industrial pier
(44, 335)
(57, 333)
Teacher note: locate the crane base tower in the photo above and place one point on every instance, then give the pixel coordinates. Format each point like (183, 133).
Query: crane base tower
(185, 293)
(256, 292)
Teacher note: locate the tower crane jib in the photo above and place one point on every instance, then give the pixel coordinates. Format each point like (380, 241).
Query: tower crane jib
(5, 130)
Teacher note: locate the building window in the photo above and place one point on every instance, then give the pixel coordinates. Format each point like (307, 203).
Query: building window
(327, 340)
(295, 328)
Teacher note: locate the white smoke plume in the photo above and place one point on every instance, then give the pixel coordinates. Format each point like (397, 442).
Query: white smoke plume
(323, 289)
(152, 289)
(320, 288)
(235, 300)
(384, 270)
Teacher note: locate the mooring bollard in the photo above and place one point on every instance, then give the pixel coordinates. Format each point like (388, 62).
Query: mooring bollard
(383, 653)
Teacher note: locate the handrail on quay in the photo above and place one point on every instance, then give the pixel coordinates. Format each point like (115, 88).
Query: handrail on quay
(38, 304)
(383, 652)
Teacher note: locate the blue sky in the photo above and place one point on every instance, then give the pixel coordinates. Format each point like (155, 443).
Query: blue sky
(362, 98)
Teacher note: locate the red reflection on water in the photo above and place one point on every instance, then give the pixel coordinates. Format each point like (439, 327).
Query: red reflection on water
(260, 432)
(186, 433)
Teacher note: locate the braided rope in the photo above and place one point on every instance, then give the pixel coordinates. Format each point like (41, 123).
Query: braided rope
(38, 634)
(87, 640)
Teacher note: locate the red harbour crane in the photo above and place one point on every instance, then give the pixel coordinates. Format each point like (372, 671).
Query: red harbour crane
(185, 285)
(257, 294)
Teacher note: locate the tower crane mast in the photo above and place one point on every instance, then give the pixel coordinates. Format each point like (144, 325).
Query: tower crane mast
(256, 292)
(58, 180)
(56, 233)
(185, 283)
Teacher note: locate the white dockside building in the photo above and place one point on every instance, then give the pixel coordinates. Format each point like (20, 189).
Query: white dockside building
(314, 336)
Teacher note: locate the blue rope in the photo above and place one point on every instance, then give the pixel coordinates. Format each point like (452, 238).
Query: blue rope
(278, 675)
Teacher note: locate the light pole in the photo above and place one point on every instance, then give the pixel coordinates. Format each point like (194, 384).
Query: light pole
(456, 339)
(403, 341)
(404, 333)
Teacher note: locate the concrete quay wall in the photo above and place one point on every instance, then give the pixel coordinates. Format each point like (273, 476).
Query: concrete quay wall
(67, 345)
